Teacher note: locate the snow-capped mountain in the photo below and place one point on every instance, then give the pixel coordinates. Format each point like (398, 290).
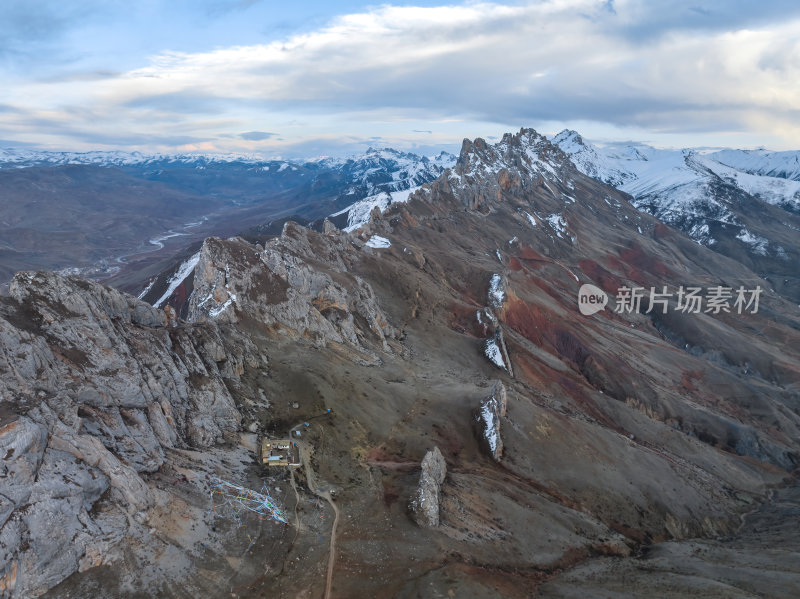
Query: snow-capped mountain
(677, 184)
(386, 170)
(743, 204)
(20, 158)
(380, 178)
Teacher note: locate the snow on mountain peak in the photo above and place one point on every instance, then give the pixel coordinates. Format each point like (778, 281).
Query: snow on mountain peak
(569, 141)
(15, 158)
(678, 177)
(526, 152)
(710, 195)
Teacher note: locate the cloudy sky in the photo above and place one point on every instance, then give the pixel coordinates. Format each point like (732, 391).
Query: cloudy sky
(312, 77)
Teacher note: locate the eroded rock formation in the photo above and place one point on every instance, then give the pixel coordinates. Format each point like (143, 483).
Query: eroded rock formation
(425, 504)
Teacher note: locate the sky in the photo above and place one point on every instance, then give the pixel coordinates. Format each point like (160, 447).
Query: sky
(310, 78)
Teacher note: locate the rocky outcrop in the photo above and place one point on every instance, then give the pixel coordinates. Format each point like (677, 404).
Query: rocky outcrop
(107, 357)
(299, 284)
(487, 421)
(95, 390)
(54, 297)
(494, 347)
(425, 505)
(328, 228)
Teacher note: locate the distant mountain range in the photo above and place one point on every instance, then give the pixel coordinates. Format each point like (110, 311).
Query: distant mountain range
(125, 215)
(21, 158)
(744, 204)
(375, 167)
(241, 178)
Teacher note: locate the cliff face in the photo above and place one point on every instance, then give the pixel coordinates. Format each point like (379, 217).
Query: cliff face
(96, 391)
(619, 430)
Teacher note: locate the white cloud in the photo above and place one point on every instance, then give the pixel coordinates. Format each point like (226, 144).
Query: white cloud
(666, 69)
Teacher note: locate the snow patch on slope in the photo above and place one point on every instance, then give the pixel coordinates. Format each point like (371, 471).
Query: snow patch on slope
(214, 312)
(376, 241)
(148, 288)
(490, 426)
(558, 224)
(179, 277)
(757, 243)
(497, 294)
(492, 351)
(358, 212)
(488, 417)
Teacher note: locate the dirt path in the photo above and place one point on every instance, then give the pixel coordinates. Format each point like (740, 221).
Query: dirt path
(305, 458)
(326, 495)
(296, 503)
(332, 556)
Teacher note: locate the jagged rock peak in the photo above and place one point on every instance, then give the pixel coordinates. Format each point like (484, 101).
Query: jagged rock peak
(512, 167)
(511, 146)
(515, 167)
(425, 505)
